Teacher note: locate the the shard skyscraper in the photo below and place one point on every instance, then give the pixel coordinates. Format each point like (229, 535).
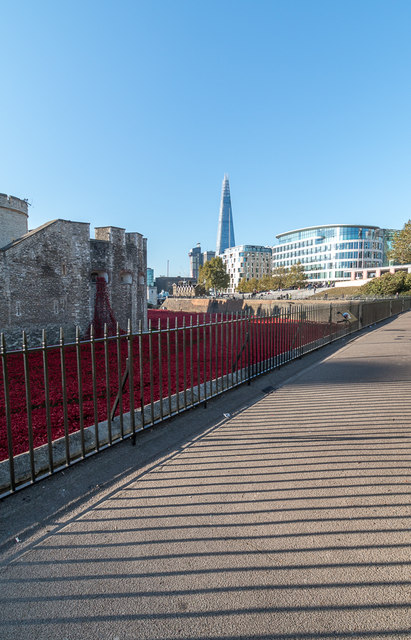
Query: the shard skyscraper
(225, 234)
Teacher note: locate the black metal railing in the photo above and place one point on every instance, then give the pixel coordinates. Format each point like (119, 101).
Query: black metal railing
(62, 403)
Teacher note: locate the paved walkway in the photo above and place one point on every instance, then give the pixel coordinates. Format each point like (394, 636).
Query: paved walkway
(288, 520)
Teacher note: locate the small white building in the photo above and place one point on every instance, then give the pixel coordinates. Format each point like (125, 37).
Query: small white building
(246, 261)
(152, 296)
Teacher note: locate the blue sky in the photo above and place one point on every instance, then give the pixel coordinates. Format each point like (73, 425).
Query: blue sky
(130, 112)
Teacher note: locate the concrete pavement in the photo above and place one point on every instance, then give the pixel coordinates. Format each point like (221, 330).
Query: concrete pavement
(290, 519)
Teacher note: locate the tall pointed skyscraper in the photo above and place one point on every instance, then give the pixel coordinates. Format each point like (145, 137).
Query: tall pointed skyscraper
(225, 234)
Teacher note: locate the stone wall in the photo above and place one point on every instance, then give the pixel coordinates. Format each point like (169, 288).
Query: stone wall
(13, 218)
(45, 283)
(123, 256)
(365, 312)
(46, 280)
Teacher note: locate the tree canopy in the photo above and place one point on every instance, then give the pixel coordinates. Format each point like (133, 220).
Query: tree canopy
(281, 278)
(388, 284)
(401, 246)
(213, 275)
(248, 286)
(295, 276)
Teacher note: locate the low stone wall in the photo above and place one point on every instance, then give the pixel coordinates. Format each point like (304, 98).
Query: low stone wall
(231, 305)
(367, 312)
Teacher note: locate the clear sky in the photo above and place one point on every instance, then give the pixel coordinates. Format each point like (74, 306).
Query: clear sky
(129, 112)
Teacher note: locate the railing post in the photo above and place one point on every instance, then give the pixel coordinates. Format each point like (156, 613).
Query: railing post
(131, 380)
(168, 368)
(198, 361)
(80, 391)
(216, 351)
(108, 394)
(47, 399)
(3, 353)
(94, 383)
(64, 392)
(160, 368)
(120, 379)
(141, 371)
(360, 312)
(205, 360)
(28, 405)
(176, 341)
(230, 368)
(249, 348)
(184, 362)
(150, 352)
(191, 362)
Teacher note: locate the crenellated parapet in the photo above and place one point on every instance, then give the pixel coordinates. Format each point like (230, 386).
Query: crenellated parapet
(13, 218)
(13, 203)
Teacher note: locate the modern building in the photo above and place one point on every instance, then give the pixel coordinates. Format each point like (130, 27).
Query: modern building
(208, 255)
(328, 252)
(387, 240)
(150, 277)
(246, 261)
(225, 234)
(196, 261)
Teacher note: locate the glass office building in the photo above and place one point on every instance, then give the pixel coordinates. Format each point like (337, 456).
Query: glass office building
(150, 277)
(328, 252)
(196, 261)
(387, 238)
(225, 234)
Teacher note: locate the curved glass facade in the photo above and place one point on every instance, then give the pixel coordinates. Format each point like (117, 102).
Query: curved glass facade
(327, 252)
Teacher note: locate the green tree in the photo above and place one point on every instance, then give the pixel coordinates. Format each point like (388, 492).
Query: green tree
(200, 290)
(266, 283)
(279, 278)
(243, 286)
(388, 284)
(213, 275)
(295, 277)
(401, 246)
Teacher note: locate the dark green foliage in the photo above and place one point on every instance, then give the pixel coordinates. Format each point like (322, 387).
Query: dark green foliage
(213, 275)
(200, 290)
(295, 277)
(401, 246)
(281, 278)
(388, 284)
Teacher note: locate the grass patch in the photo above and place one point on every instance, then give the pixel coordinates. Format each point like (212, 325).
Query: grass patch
(338, 292)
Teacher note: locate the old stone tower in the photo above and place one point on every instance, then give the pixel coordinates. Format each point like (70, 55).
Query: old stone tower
(13, 218)
(49, 276)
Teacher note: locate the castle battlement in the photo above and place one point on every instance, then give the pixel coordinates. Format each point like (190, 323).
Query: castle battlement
(13, 203)
(13, 218)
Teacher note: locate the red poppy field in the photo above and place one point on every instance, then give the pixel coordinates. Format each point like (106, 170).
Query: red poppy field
(180, 358)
